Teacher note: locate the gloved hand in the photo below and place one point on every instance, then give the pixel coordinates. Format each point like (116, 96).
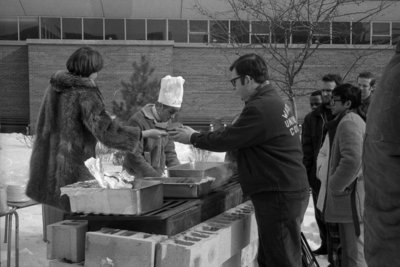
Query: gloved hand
(182, 135)
(153, 133)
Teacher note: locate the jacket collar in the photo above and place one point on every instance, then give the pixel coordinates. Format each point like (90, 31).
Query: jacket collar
(262, 90)
(63, 81)
(149, 111)
(367, 100)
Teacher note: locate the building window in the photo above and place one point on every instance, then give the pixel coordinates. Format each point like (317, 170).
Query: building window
(198, 31)
(156, 29)
(177, 30)
(240, 32)
(395, 32)
(8, 28)
(281, 32)
(219, 31)
(93, 29)
(322, 33)
(114, 29)
(380, 33)
(360, 32)
(340, 32)
(72, 28)
(28, 28)
(50, 28)
(135, 29)
(300, 31)
(259, 32)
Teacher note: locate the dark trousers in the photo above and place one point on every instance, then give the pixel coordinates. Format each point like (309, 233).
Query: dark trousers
(279, 216)
(319, 218)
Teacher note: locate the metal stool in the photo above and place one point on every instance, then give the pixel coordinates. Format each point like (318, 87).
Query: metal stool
(8, 234)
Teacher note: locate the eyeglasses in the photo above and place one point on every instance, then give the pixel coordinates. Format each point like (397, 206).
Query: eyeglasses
(326, 91)
(334, 100)
(233, 81)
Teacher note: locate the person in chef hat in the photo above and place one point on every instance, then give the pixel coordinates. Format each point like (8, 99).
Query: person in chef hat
(152, 156)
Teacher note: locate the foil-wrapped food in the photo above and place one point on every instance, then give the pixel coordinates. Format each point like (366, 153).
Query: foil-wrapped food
(112, 180)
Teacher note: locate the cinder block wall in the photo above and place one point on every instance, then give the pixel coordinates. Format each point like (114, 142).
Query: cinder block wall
(26, 69)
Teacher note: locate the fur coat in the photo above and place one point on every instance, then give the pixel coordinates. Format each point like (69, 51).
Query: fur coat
(71, 119)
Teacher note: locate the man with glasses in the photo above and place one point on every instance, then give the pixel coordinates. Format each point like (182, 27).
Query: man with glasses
(342, 191)
(313, 133)
(152, 155)
(269, 160)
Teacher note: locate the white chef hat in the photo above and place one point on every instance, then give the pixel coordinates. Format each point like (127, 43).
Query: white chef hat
(171, 91)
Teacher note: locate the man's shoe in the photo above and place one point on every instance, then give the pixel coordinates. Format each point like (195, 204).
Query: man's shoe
(320, 251)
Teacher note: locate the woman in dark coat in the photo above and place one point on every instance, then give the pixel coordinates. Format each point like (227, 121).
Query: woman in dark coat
(72, 118)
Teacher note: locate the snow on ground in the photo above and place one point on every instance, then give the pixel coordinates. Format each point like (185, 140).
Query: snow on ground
(14, 162)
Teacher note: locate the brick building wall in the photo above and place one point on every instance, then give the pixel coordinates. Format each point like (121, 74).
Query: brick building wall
(45, 59)
(208, 93)
(14, 85)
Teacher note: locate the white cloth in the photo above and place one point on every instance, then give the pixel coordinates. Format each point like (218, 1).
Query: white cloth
(322, 171)
(171, 91)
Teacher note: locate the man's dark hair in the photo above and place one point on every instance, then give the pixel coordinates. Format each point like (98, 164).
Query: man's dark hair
(367, 75)
(333, 78)
(85, 61)
(316, 93)
(252, 65)
(348, 92)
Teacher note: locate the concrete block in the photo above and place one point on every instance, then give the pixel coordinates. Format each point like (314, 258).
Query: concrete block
(66, 240)
(114, 247)
(62, 263)
(211, 243)
(189, 250)
(245, 257)
(249, 254)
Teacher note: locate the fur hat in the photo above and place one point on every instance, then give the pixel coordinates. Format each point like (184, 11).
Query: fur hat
(171, 91)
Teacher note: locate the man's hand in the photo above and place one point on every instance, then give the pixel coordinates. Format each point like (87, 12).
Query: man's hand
(181, 135)
(154, 133)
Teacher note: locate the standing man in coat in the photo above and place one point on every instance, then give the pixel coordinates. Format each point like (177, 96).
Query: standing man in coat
(269, 160)
(366, 82)
(313, 133)
(152, 155)
(382, 169)
(344, 184)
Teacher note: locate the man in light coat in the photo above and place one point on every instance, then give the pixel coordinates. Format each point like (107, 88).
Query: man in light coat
(342, 187)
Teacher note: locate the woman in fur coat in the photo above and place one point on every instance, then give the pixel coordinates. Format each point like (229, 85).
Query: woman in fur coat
(72, 118)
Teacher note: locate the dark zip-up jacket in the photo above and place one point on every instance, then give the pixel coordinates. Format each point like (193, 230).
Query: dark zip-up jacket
(266, 136)
(313, 133)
